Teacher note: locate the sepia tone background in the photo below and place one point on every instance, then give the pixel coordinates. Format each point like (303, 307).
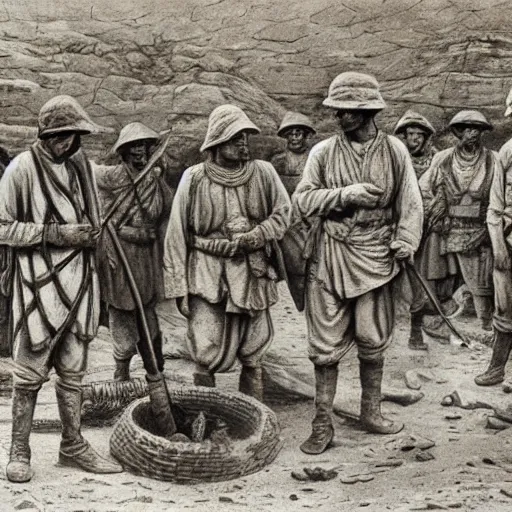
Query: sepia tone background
(170, 62)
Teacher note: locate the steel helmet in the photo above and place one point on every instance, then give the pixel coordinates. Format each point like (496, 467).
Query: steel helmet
(224, 123)
(352, 90)
(292, 119)
(411, 118)
(470, 117)
(65, 114)
(133, 132)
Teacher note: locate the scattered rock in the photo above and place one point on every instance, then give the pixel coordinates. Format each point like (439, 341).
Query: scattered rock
(424, 456)
(506, 491)
(453, 416)
(401, 396)
(293, 497)
(225, 499)
(494, 423)
(356, 478)
(25, 505)
(412, 380)
(391, 463)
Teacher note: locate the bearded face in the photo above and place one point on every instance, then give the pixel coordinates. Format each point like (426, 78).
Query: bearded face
(415, 139)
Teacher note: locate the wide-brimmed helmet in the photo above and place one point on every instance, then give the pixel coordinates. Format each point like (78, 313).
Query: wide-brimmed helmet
(292, 120)
(224, 123)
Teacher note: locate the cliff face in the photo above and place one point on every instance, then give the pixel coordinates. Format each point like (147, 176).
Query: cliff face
(168, 63)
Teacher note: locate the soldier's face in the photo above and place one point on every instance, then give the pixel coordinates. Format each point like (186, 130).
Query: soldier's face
(415, 139)
(350, 120)
(137, 154)
(469, 135)
(62, 145)
(297, 139)
(235, 150)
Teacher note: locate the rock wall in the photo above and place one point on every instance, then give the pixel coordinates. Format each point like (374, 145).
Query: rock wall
(168, 63)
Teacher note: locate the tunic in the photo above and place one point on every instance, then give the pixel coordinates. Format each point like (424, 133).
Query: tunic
(147, 207)
(289, 166)
(353, 247)
(200, 212)
(55, 289)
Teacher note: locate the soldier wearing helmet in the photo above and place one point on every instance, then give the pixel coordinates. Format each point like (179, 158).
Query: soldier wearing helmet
(499, 224)
(49, 215)
(297, 129)
(226, 217)
(361, 188)
(417, 132)
(140, 224)
(456, 195)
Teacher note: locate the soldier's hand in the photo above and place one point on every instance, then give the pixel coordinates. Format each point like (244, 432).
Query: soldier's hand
(502, 260)
(136, 235)
(402, 250)
(361, 194)
(251, 241)
(73, 235)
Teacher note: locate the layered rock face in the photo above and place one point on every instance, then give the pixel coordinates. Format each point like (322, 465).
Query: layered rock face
(168, 63)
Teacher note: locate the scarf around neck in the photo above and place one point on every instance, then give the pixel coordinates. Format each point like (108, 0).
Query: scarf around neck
(228, 177)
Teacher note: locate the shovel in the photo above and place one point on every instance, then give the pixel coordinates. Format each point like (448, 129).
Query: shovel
(158, 394)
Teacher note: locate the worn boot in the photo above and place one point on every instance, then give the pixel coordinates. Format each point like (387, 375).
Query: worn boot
(495, 373)
(416, 338)
(326, 379)
(203, 377)
(122, 371)
(75, 451)
(371, 383)
(23, 403)
(251, 382)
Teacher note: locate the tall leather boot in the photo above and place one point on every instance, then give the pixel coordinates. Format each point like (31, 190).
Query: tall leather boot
(23, 404)
(122, 371)
(322, 433)
(371, 383)
(416, 338)
(203, 377)
(75, 451)
(484, 309)
(495, 373)
(251, 382)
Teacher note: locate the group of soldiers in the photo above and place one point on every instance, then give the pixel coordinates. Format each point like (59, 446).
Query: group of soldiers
(340, 222)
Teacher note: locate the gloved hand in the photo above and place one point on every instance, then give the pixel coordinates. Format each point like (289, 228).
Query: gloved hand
(72, 235)
(402, 250)
(136, 235)
(360, 194)
(251, 241)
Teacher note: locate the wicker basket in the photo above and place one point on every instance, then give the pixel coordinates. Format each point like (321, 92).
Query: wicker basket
(252, 428)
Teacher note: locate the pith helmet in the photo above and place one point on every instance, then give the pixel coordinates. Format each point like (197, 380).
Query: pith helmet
(65, 114)
(224, 123)
(292, 119)
(133, 132)
(351, 90)
(508, 102)
(411, 118)
(470, 117)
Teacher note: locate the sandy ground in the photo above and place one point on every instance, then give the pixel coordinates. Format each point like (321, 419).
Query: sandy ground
(456, 478)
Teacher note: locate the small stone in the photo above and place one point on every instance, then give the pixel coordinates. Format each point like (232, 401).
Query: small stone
(391, 463)
(424, 456)
(25, 505)
(225, 499)
(412, 380)
(294, 497)
(453, 416)
(506, 491)
(447, 401)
